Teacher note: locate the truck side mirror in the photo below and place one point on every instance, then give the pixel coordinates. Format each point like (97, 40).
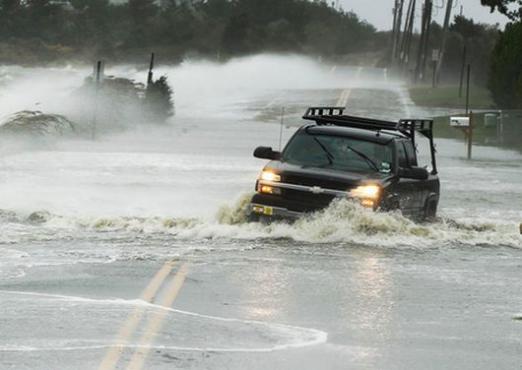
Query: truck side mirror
(415, 173)
(265, 152)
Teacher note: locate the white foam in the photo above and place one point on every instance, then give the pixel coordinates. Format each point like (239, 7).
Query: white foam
(293, 336)
(342, 222)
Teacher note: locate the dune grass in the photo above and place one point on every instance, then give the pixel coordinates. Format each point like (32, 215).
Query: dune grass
(448, 97)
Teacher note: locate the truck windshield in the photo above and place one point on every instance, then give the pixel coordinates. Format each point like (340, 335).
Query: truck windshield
(338, 152)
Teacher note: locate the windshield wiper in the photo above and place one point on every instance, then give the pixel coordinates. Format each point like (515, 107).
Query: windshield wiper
(365, 157)
(328, 154)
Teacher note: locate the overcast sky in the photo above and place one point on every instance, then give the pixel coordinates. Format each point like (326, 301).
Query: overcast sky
(379, 12)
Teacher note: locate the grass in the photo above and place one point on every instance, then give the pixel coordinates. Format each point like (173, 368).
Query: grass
(448, 97)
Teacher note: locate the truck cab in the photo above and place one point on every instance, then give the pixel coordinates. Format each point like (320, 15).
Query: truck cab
(370, 161)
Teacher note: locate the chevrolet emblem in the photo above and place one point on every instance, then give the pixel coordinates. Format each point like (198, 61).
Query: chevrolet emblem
(316, 190)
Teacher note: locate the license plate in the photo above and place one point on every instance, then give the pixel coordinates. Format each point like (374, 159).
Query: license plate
(267, 211)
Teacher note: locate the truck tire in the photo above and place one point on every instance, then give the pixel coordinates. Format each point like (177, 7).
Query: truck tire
(430, 209)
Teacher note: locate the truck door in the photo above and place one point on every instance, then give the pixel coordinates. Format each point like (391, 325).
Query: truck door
(408, 189)
(421, 189)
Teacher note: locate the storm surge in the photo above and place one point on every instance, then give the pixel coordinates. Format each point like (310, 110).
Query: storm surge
(344, 223)
(179, 181)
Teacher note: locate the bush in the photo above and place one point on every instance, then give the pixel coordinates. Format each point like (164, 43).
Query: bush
(505, 80)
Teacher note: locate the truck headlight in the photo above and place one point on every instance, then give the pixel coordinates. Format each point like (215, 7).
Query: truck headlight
(366, 192)
(270, 176)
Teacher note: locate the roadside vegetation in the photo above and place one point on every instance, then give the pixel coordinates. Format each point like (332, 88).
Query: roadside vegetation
(468, 43)
(448, 97)
(45, 31)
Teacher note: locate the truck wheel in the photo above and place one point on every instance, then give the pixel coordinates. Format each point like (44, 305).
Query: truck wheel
(253, 217)
(392, 204)
(430, 210)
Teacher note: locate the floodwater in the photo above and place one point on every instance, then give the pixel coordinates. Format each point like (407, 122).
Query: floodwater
(87, 228)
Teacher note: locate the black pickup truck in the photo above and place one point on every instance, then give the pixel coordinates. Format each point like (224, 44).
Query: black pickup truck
(371, 161)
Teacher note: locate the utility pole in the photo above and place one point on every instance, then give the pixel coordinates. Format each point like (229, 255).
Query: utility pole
(399, 24)
(410, 33)
(419, 73)
(447, 19)
(404, 41)
(462, 68)
(429, 12)
(394, 30)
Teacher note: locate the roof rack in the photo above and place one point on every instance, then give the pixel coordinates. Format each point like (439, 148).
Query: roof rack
(335, 116)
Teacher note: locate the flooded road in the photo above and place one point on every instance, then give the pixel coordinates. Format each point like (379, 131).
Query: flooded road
(132, 251)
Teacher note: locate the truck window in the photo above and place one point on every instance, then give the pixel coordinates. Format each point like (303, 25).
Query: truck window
(410, 153)
(401, 153)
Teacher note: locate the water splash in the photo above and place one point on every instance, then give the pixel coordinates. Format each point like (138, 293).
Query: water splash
(344, 222)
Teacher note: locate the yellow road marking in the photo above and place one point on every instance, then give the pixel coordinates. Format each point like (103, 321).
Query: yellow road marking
(345, 94)
(343, 98)
(114, 353)
(156, 321)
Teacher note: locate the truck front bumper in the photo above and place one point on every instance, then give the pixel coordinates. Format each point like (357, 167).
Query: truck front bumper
(274, 212)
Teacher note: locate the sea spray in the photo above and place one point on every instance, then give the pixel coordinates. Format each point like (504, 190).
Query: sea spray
(237, 213)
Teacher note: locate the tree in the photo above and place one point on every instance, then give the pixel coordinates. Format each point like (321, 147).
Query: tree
(506, 7)
(479, 40)
(158, 100)
(9, 6)
(141, 14)
(8, 13)
(505, 81)
(49, 30)
(236, 34)
(93, 22)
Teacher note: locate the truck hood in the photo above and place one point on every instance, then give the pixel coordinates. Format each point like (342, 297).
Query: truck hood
(324, 177)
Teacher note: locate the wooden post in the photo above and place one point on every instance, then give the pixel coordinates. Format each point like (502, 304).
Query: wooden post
(281, 129)
(97, 80)
(467, 88)
(470, 114)
(151, 67)
(470, 135)
(434, 80)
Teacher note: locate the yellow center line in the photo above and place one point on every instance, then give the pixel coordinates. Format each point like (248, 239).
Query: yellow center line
(343, 98)
(156, 321)
(114, 353)
(346, 93)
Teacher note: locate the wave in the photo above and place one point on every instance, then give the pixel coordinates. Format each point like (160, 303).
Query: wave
(344, 222)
